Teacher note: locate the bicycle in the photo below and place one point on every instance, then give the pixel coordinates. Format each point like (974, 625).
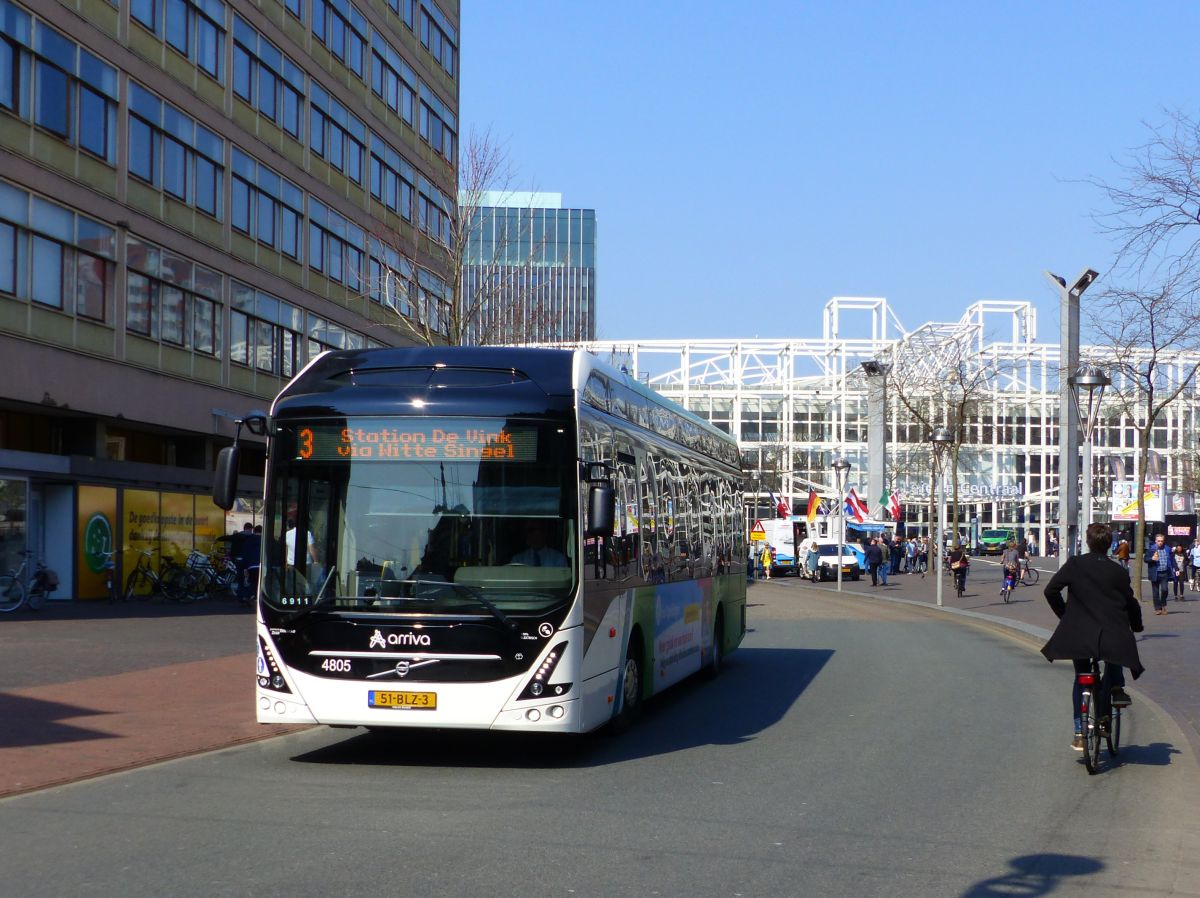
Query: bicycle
(1029, 575)
(16, 591)
(1008, 584)
(1094, 726)
(144, 582)
(110, 577)
(205, 576)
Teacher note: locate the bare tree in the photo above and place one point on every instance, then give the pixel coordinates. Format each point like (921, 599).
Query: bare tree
(940, 379)
(1151, 330)
(1154, 208)
(504, 298)
(1152, 352)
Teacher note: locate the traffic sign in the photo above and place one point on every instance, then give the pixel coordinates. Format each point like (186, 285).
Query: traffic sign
(757, 532)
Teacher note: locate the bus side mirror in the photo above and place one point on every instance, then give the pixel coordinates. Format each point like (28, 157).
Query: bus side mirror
(601, 515)
(225, 478)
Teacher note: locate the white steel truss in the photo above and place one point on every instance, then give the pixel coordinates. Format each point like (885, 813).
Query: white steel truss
(796, 403)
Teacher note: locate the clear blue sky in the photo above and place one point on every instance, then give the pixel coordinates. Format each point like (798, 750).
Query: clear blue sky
(748, 161)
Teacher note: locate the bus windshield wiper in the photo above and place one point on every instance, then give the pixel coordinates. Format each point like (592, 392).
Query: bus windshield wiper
(477, 594)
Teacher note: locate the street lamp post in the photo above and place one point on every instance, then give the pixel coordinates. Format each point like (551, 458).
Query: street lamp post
(876, 376)
(1093, 380)
(841, 475)
(1068, 486)
(941, 438)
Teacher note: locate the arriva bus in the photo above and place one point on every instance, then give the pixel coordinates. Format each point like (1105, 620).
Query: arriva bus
(509, 539)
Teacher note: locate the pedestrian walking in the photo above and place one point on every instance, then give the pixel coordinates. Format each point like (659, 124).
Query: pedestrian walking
(874, 560)
(1123, 553)
(885, 564)
(1179, 570)
(1159, 573)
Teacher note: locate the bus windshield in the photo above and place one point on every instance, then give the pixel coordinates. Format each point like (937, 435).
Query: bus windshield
(421, 515)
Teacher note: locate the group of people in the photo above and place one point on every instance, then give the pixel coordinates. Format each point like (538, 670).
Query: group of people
(890, 555)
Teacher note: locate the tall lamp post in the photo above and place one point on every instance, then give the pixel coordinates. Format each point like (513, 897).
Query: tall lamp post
(940, 439)
(876, 376)
(1093, 380)
(1068, 485)
(841, 475)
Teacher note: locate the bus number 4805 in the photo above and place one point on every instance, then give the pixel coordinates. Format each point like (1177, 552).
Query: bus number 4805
(336, 665)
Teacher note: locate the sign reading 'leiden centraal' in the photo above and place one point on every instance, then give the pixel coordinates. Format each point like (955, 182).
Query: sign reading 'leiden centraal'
(415, 441)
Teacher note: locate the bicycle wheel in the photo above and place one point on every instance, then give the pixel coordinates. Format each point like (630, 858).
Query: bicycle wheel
(136, 586)
(1113, 737)
(1007, 593)
(1091, 734)
(1031, 576)
(12, 593)
(193, 586)
(171, 583)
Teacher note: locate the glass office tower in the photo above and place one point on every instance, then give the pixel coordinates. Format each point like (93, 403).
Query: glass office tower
(530, 267)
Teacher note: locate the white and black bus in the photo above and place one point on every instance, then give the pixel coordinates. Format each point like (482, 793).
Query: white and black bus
(493, 538)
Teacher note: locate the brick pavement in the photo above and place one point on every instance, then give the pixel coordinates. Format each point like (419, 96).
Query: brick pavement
(92, 689)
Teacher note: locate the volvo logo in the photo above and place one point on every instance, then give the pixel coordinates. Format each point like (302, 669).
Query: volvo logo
(402, 668)
(380, 641)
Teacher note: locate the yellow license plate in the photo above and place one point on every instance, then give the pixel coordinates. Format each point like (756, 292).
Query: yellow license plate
(402, 701)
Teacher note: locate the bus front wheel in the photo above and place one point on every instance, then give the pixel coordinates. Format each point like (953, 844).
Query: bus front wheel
(631, 687)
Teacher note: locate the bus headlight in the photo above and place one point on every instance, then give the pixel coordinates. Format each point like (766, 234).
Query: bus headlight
(541, 677)
(269, 675)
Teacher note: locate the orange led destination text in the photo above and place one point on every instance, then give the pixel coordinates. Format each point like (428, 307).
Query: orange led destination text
(389, 442)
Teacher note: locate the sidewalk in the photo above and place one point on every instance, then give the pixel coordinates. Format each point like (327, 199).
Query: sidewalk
(1169, 647)
(91, 688)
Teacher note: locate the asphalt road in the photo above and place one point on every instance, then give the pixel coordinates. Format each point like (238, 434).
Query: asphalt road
(852, 748)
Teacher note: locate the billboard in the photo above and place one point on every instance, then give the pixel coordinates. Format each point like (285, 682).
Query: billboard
(1124, 500)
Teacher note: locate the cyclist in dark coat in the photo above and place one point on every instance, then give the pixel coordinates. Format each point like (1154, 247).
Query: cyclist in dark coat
(1098, 620)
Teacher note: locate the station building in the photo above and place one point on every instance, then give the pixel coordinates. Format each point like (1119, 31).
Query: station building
(797, 404)
(196, 197)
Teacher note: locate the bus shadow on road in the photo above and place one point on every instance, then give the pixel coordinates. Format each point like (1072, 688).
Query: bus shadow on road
(754, 692)
(34, 721)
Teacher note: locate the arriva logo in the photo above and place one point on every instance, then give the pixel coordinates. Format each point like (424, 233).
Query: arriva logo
(378, 640)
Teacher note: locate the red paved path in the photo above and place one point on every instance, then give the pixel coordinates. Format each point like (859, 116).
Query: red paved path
(64, 732)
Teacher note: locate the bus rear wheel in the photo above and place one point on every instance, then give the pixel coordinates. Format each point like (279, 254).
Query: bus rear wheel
(717, 655)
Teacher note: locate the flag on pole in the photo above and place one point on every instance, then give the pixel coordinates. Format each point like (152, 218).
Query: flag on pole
(814, 505)
(856, 507)
(781, 506)
(895, 506)
(886, 501)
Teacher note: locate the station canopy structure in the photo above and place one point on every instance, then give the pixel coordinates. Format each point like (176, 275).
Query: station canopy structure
(796, 404)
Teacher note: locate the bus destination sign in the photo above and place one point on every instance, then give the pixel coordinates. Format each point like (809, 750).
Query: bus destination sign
(445, 440)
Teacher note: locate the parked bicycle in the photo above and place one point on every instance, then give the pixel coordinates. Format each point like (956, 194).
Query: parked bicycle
(145, 582)
(207, 575)
(110, 577)
(18, 588)
(1096, 724)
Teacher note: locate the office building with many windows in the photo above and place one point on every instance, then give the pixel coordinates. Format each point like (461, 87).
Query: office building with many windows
(197, 197)
(530, 269)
